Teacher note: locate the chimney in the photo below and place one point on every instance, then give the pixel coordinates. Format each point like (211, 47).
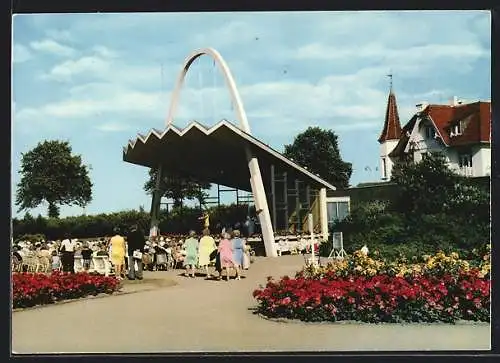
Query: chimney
(421, 106)
(455, 101)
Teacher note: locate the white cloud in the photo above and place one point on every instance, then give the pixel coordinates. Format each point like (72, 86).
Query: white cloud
(377, 52)
(104, 52)
(53, 47)
(351, 100)
(59, 34)
(106, 65)
(91, 105)
(21, 53)
(115, 84)
(225, 35)
(67, 70)
(112, 127)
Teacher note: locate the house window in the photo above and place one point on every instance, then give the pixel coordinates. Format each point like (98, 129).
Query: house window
(456, 129)
(337, 210)
(465, 160)
(384, 168)
(430, 132)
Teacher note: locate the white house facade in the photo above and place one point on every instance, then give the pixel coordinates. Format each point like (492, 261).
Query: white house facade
(461, 131)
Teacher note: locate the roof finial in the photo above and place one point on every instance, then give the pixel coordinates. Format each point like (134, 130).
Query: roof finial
(390, 77)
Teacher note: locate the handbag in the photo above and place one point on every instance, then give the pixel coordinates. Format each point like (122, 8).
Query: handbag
(137, 255)
(213, 255)
(218, 266)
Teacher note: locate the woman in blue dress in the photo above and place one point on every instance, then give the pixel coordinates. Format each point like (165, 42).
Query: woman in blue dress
(238, 252)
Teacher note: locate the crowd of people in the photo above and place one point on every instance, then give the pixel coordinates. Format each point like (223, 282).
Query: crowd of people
(230, 254)
(130, 252)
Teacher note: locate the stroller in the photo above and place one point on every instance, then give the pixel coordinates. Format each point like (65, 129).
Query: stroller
(148, 260)
(162, 259)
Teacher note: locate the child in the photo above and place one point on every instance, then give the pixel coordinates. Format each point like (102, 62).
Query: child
(56, 261)
(86, 257)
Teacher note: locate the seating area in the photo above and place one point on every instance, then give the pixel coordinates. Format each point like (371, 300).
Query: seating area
(31, 263)
(163, 253)
(291, 243)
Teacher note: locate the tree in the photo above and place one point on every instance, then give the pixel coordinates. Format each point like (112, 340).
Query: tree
(440, 206)
(178, 188)
(318, 151)
(427, 187)
(49, 172)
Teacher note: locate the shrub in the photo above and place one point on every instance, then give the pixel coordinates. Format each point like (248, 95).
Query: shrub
(178, 220)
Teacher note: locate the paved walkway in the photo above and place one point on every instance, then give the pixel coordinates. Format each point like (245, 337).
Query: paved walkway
(213, 316)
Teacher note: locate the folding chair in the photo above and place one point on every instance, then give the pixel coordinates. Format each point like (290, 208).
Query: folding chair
(78, 265)
(102, 265)
(43, 264)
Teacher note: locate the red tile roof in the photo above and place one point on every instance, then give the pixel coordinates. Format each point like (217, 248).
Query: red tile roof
(476, 115)
(392, 127)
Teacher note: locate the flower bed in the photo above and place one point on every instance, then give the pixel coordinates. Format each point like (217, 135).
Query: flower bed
(444, 288)
(30, 289)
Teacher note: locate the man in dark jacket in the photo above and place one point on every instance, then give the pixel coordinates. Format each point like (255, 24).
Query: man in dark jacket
(135, 242)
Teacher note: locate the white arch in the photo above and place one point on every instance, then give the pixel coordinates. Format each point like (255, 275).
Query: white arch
(256, 182)
(228, 77)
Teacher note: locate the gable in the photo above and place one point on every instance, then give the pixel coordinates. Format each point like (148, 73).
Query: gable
(474, 119)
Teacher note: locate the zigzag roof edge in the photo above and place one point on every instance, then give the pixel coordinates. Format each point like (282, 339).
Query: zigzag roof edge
(177, 130)
(234, 128)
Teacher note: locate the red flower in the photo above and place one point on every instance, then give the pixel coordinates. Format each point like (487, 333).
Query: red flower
(32, 289)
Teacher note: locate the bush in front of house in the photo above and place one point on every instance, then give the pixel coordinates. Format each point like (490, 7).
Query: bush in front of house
(434, 209)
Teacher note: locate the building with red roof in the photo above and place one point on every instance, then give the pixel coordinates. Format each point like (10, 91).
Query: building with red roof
(462, 131)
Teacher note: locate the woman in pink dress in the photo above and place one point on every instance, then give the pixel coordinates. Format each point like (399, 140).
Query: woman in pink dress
(225, 249)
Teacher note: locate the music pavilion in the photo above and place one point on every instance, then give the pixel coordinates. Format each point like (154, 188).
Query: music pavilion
(284, 193)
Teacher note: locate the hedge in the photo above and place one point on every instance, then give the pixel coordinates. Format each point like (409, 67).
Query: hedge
(179, 220)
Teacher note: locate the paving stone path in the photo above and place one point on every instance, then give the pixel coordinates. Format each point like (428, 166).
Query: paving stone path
(197, 315)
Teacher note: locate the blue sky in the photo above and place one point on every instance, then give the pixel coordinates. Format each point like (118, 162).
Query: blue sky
(98, 79)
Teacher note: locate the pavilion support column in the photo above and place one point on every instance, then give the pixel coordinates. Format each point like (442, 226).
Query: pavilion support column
(298, 225)
(323, 216)
(261, 205)
(218, 195)
(273, 195)
(155, 204)
(286, 216)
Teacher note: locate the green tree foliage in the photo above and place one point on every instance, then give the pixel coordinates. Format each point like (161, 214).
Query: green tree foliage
(100, 225)
(318, 150)
(434, 209)
(50, 173)
(428, 186)
(178, 188)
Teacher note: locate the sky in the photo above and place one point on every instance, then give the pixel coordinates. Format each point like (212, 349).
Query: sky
(96, 80)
